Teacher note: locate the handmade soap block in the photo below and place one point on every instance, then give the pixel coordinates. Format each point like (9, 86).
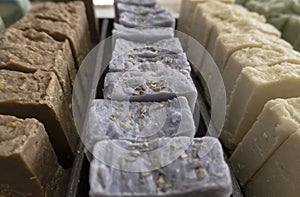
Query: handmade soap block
(280, 175)
(28, 164)
(144, 35)
(2, 26)
(39, 95)
(150, 86)
(226, 44)
(199, 171)
(13, 10)
(61, 21)
(292, 30)
(279, 119)
(254, 88)
(123, 46)
(145, 3)
(149, 59)
(164, 19)
(139, 10)
(139, 121)
(267, 55)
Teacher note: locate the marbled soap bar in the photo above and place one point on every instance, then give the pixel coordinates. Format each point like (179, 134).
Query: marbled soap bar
(279, 119)
(28, 165)
(39, 95)
(61, 21)
(150, 86)
(123, 46)
(149, 59)
(164, 19)
(139, 10)
(200, 169)
(139, 121)
(144, 35)
(13, 10)
(254, 88)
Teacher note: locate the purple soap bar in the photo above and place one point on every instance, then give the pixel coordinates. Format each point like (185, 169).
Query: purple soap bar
(199, 170)
(144, 35)
(139, 121)
(164, 19)
(146, 3)
(150, 86)
(139, 10)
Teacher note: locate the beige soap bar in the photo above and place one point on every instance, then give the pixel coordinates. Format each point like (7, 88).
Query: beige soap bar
(40, 96)
(279, 119)
(281, 174)
(28, 165)
(267, 55)
(254, 88)
(227, 44)
(61, 21)
(212, 13)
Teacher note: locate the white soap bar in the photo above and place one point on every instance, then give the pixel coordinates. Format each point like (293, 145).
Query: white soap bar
(254, 88)
(279, 119)
(150, 86)
(13, 10)
(139, 121)
(200, 169)
(227, 44)
(123, 46)
(281, 173)
(267, 55)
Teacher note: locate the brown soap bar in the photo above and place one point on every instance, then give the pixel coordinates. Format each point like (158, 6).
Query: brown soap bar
(28, 59)
(40, 96)
(61, 21)
(44, 42)
(28, 165)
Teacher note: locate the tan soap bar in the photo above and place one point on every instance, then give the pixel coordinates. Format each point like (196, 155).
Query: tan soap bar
(61, 21)
(254, 88)
(279, 119)
(212, 13)
(226, 44)
(267, 55)
(28, 165)
(40, 96)
(44, 42)
(281, 174)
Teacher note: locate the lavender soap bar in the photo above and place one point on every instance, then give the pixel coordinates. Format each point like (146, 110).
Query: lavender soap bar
(200, 170)
(145, 3)
(150, 86)
(139, 121)
(164, 19)
(139, 10)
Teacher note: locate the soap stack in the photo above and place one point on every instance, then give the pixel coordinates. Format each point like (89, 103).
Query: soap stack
(39, 57)
(142, 133)
(257, 67)
(284, 15)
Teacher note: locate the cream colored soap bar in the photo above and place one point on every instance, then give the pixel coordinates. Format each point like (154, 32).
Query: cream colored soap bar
(281, 174)
(255, 87)
(213, 13)
(279, 119)
(267, 55)
(227, 44)
(28, 165)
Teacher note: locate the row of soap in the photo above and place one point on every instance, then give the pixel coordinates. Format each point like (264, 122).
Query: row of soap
(37, 69)
(146, 146)
(284, 15)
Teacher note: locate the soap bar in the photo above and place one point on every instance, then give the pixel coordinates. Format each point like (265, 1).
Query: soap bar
(267, 55)
(13, 10)
(279, 119)
(280, 175)
(2, 26)
(254, 88)
(291, 31)
(149, 59)
(123, 46)
(146, 3)
(164, 19)
(139, 121)
(39, 95)
(150, 86)
(227, 43)
(28, 164)
(139, 10)
(61, 21)
(199, 171)
(144, 35)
